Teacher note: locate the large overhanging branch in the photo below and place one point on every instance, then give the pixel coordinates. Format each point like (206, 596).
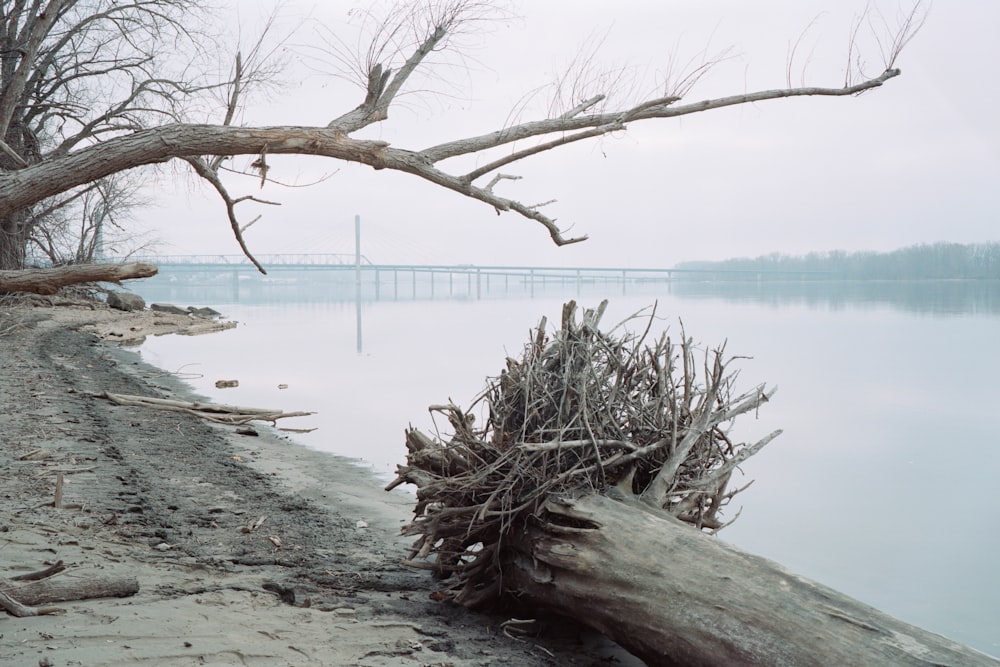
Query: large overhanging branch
(21, 188)
(662, 108)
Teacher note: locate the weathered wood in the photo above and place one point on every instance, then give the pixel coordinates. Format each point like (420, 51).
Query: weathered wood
(62, 589)
(581, 409)
(216, 412)
(56, 174)
(49, 281)
(54, 568)
(673, 595)
(588, 491)
(15, 608)
(57, 503)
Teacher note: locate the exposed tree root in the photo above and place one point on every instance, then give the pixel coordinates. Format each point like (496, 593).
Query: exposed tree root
(582, 410)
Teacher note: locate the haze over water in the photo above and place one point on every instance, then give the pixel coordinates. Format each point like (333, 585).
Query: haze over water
(882, 485)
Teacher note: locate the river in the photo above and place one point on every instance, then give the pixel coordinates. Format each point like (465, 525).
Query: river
(883, 485)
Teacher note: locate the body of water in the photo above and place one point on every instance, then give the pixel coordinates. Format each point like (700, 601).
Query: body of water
(883, 485)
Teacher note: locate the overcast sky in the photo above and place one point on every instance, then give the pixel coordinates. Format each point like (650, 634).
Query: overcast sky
(917, 161)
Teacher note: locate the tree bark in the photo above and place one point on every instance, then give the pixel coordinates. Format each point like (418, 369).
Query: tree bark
(48, 281)
(673, 595)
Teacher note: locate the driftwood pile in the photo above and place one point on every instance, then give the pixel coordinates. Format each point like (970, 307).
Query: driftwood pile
(589, 488)
(582, 411)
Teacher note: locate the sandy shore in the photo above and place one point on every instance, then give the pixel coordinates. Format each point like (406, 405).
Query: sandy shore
(248, 550)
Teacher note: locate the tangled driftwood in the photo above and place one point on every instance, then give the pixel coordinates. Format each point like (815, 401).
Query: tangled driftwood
(581, 410)
(588, 490)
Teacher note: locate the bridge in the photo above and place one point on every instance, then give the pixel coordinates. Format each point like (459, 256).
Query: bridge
(355, 276)
(275, 263)
(360, 263)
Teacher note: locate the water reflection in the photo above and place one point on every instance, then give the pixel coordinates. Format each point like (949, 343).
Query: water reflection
(369, 283)
(940, 297)
(365, 285)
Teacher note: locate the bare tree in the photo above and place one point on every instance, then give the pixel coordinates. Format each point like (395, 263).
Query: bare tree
(146, 127)
(90, 221)
(75, 73)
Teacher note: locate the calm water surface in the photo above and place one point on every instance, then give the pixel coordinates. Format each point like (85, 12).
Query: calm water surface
(884, 484)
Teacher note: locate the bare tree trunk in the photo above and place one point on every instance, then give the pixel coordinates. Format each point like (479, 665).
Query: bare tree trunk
(673, 595)
(48, 281)
(13, 240)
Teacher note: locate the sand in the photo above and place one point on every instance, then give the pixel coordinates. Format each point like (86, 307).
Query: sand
(248, 549)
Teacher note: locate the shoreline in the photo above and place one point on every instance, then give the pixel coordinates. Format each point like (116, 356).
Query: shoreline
(248, 550)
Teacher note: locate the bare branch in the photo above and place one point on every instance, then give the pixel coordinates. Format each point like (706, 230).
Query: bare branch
(679, 80)
(499, 177)
(661, 109)
(234, 94)
(434, 23)
(246, 226)
(13, 90)
(69, 139)
(12, 154)
(890, 37)
(907, 30)
(212, 176)
(185, 141)
(527, 152)
(793, 50)
(585, 82)
(583, 106)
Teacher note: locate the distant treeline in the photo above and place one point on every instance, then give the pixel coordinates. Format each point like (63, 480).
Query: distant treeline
(920, 262)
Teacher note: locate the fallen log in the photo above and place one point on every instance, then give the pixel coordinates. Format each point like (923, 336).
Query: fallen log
(590, 489)
(21, 600)
(215, 412)
(673, 595)
(49, 281)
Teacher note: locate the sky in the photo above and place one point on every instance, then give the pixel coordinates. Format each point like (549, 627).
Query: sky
(916, 161)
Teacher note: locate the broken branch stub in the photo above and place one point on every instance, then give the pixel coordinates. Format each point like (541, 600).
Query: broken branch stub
(581, 411)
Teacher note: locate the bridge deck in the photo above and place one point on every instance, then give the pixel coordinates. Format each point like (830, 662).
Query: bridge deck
(340, 262)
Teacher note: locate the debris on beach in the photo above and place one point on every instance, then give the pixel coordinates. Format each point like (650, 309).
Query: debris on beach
(215, 412)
